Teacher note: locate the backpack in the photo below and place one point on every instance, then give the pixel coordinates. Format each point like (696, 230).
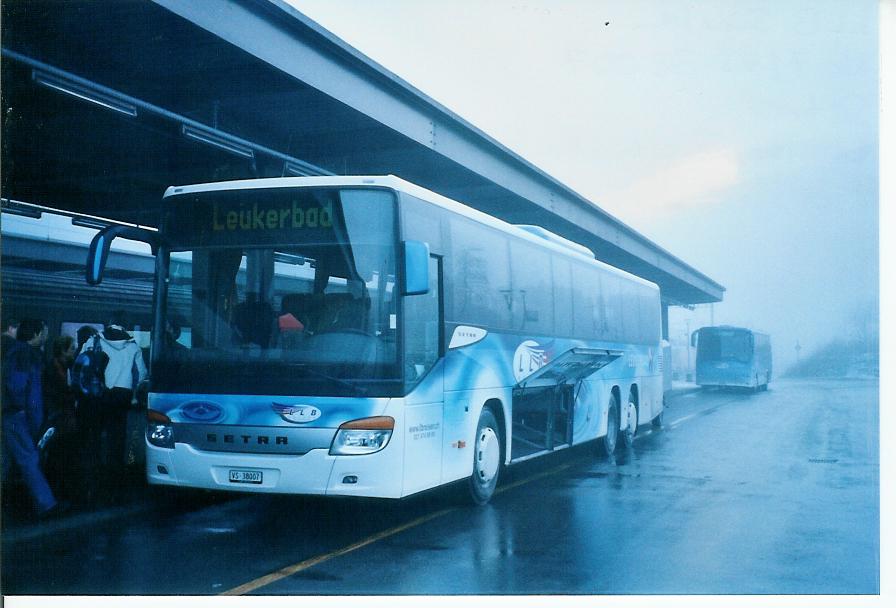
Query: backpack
(89, 370)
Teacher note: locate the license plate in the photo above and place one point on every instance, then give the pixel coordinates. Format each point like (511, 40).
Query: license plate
(246, 476)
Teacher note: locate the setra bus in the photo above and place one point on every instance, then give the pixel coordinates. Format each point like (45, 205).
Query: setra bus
(363, 336)
(732, 356)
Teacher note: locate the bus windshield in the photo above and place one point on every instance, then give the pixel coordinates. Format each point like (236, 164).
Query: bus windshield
(280, 291)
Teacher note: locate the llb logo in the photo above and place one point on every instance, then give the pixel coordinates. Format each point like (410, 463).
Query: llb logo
(299, 414)
(528, 358)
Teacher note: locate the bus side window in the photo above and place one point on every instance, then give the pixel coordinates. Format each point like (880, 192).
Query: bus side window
(631, 314)
(563, 299)
(532, 297)
(583, 304)
(480, 276)
(649, 316)
(612, 289)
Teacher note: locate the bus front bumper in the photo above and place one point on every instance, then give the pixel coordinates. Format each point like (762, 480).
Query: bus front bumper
(315, 472)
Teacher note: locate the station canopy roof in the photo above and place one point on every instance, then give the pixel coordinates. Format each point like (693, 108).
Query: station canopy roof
(106, 104)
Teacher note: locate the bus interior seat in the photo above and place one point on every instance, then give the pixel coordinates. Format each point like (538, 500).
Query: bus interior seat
(331, 305)
(254, 321)
(300, 306)
(351, 314)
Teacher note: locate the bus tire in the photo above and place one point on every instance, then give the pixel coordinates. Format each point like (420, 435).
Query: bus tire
(486, 458)
(630, 418)
(609, 440)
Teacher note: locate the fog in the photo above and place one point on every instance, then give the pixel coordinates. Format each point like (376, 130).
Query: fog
(742, 137)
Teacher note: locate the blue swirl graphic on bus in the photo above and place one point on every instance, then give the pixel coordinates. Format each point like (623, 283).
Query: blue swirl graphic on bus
(202, 411)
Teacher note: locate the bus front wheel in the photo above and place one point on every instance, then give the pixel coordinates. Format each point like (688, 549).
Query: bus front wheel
(486, 458)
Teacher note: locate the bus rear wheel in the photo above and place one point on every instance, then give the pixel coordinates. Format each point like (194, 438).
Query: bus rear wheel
(486, 458)
(608, 442)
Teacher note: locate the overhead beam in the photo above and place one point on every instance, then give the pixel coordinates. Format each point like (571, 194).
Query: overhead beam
(75, 86)
(280, 36)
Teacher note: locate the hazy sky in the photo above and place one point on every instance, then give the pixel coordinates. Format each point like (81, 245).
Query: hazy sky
(742, 136)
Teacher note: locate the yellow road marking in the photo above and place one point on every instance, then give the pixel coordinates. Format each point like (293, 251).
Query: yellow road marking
(308, 563)
(290, 570)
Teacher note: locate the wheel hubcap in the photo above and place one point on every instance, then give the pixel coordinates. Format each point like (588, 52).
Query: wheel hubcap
(488, 455)
(631, 423)
(612, 429)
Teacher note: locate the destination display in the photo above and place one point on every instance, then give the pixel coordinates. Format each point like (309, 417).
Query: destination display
(272, 216)
(256, 218)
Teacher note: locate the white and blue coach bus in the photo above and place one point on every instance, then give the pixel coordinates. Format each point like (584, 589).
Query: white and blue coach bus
(364, 336)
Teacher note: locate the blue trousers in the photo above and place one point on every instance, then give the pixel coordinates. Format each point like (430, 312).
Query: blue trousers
(19, 449)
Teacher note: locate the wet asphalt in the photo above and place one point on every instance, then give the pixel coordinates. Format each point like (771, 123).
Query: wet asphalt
(740, 493)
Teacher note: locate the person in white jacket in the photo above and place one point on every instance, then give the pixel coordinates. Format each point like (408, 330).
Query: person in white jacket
(126, 368)
(124, 372)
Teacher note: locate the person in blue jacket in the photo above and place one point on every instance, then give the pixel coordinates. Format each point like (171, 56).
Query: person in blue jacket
(23, 413)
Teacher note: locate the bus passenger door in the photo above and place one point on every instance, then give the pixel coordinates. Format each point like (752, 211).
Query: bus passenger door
(423, 405)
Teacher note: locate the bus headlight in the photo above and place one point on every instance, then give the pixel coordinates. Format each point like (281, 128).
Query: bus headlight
(159, 430)
(364, 436)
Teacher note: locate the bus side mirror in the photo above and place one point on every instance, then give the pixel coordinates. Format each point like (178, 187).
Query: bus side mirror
(694, 338)
(416, 268)
(98, 253)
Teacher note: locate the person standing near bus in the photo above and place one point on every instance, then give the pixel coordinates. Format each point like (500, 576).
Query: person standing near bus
(23, 413)
(85, 333)
(124, 371)
(10, 327)
(59, 398)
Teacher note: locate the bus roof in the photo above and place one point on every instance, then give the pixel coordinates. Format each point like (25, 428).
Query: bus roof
(731, 328)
